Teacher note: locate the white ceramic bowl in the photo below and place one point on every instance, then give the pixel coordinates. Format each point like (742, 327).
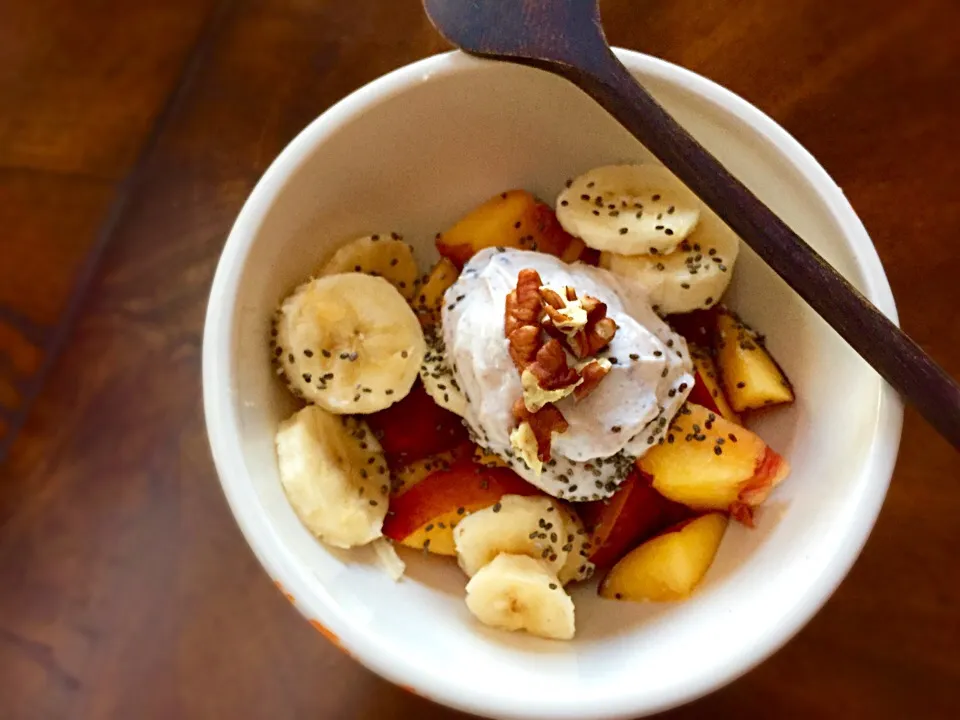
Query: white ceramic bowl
(414, 150)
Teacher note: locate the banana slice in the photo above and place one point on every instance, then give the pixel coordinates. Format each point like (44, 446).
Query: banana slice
(629, 209)
(384, 255)
(349, 343)
(577, 545)
(334, 475)
(692, 277)
(516, 592)
(519, 525)
(436, 373)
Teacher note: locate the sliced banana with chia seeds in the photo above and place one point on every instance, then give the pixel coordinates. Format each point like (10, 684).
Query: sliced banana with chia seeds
(439, 376)
(516, 592)
(383, 255)
(335, 476)
(349, 343)
(517, 524)
(629, 209)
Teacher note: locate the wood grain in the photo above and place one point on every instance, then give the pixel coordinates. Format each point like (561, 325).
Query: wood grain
(127, 590)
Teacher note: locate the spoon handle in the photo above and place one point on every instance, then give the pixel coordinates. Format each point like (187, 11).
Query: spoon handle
(897, 358)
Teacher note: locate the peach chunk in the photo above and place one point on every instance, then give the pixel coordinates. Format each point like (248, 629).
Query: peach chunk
(514, 219)
(424, 516)
(405, 477)
(706, 387)
(631, 515)
(709, 463)
(429, 299)
(751, 377)
(669, 566)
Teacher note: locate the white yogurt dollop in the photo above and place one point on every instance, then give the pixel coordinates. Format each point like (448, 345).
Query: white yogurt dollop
(651, 376)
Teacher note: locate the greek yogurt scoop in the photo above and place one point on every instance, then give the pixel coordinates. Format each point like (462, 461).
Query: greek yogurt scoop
(650, 377)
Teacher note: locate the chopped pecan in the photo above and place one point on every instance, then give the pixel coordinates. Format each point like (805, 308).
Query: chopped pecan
(563, 309)
(524, 305)
(550, 367)
(581, 323)
(593, 338)
(552, 298)
(544, 422)
(591, 373)
(523, 343)
(521, 320)
(595, 309)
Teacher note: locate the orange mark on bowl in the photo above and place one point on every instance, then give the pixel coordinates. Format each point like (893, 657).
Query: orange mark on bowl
(329, 635)
(409, 689)
(283, 591)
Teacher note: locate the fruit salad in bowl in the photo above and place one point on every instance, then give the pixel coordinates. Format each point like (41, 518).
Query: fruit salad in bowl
(560, 398)
(452, 457)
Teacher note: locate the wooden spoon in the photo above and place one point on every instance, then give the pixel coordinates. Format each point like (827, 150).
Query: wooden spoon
(565, 37)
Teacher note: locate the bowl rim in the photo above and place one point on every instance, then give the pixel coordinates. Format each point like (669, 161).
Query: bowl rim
(224, 434)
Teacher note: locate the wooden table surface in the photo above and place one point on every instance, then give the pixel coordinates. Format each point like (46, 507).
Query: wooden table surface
(130, 134)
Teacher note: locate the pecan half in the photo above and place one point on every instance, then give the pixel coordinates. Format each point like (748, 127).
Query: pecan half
(524, 305)
(523, 343)
(521, 319)
(591, 373)
(546, 421)
(581, 323)
(550, 367)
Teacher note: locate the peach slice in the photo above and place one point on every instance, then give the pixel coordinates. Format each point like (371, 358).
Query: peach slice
(424, 516)
(631, 515)
(405, 477)
(706, 388)
(484, 457)
(514, 219)
(429, 300)
(709, 463)
(416, 427)
(669, 566)
(751, 377)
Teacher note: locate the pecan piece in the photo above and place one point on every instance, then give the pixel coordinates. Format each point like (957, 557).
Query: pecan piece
(543, 423)
(564, 311)
(524, 305)
(552, 298)
(521, 321)
(523, 343)
(593, 338)
(581, 323)
(591, 373)
(550, 367)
